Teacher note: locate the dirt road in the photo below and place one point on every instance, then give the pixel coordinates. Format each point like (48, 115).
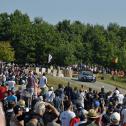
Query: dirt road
(97, 85)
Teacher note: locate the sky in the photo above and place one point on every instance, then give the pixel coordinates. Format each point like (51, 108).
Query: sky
(100, 12)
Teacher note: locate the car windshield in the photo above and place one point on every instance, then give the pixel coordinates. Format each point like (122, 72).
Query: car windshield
(87, 73)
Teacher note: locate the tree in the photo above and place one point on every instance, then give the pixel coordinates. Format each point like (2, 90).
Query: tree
(6, 52)
(68, 42)
(20, 28)
(4, 27)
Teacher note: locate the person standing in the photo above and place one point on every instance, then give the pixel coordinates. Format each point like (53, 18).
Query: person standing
(115, 119)
(123, 114)
(68, 114)
(50, 95)
(11, 83)
(68, 90)
(2, 116)
(31, 86)
(43, 83)
(3, 90)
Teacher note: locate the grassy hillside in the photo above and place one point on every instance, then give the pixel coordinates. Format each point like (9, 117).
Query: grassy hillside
(54, 81)
(116, 81)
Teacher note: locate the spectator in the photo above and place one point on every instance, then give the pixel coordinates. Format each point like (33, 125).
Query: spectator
(91, 117)
(3, 90)
(36, 117)
(75, 95)
(67, 115)
(123, 114)
(120, 98)
(9, 112)
(81, 97)
(51, 115)
(115, 119)
(21, 103)
(11, 97)
(89, 99)
(2, 116)
(81, 112)
(43, 81)
(31, 86)
(106, 116)
(68, 90)
(17, 118)
(50, 95)
(11, 83)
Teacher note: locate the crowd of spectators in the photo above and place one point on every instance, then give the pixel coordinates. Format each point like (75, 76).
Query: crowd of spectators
(28, 100)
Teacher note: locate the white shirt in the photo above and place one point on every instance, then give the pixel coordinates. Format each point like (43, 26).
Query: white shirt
(81, 98)
(4, 78)
(43, 82)
(120, 98)
(11, 84)
(65, 117)
(50, 95)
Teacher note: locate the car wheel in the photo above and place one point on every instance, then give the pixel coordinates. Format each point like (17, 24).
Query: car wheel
(84, 79)
(94, 80)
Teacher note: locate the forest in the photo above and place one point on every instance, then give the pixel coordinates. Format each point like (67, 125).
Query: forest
(23, 40)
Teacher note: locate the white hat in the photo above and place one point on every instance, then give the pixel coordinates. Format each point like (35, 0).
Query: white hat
(51, 88)
(23, 81)
(115, 117)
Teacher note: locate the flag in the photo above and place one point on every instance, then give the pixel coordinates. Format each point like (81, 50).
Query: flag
(49, 58)
(115, 60)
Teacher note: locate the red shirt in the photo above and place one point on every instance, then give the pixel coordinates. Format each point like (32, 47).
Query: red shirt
(3, 90)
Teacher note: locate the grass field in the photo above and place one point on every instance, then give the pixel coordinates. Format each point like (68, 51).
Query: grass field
(119, 82)
(54, 81)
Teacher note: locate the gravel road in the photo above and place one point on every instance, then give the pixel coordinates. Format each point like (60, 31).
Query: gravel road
(97, 85)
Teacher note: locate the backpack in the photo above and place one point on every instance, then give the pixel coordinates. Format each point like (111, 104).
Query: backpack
(74, 121)
(80, 114)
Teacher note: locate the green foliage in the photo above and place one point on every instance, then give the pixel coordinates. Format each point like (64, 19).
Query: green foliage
(68, 42)
(6, 52)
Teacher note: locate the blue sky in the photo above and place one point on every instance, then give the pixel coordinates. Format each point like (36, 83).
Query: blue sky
(87, 11)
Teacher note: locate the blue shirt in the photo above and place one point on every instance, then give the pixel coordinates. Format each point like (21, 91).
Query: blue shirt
(12, 98)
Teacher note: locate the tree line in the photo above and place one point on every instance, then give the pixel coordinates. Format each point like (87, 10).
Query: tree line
(28, 41)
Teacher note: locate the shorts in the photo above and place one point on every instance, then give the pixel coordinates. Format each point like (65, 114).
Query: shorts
(31, 91)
